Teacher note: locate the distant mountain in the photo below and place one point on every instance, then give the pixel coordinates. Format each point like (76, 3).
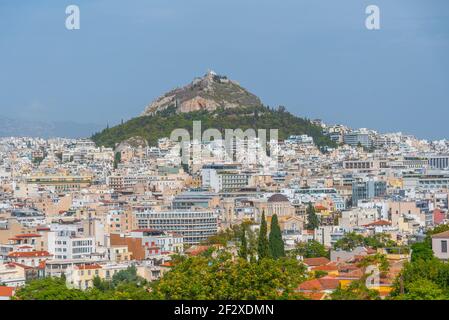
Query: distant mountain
(218, 103)
(29, 128)
(210, 92)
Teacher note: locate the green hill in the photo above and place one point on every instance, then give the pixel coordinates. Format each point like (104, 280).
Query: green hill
(162, 123)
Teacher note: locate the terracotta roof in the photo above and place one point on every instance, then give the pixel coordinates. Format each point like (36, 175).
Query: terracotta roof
(441, 235)
(89, 267)
(378, 223)
(15, 264)
(313, 262)
(6, 291)
(353, 274)
(326, 267)
(167, 264)
(324, 283)
(29, 254)
(28, 235)
(196, 250)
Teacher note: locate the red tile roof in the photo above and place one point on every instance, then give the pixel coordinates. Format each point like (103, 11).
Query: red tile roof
(324, 283)
(6, 291)
(378, 223)
(29, 254)
(313, 262)
(28, 235)
(326, 267)
(89, 267)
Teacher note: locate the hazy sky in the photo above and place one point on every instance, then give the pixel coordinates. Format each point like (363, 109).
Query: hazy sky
(314, 56)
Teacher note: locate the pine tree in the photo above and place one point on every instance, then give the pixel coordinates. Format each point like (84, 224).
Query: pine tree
(276, 243)
(263, 249)
(312, 219)
(243, 252)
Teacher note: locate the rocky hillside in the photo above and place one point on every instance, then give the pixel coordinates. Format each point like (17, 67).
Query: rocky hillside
(208, 93)
(215, 101)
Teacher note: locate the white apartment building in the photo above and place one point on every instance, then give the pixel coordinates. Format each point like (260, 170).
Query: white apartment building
(65, 244)
(194, 225)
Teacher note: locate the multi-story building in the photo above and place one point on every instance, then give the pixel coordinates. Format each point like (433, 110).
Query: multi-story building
(367, 190)
(194, 225)
(65, 244)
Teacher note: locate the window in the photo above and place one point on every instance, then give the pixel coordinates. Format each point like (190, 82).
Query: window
(444, 246)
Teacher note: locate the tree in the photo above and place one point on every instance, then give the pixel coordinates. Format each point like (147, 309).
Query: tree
(243, 252)
(49, 289)
(276, 243)
(129, 276)
(423, 289)
(349, 242)
(223, 278)
(117, 159)
(431, 270)
(263, 250)
(125, 285)
(310, 249)
(379, 240)
(421, 250)
(313, 221)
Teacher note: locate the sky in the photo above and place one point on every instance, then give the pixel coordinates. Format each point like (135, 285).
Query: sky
(315, 57)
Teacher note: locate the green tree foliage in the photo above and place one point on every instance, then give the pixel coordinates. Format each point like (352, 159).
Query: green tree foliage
(153, 127)
(352, 240)
(276, 243)
(432, 273)
(125, 285)
(243, 251)
(310, 249)
(49, 289)
(356, 290)
(421, 250)
(263, 250)
(128, 276)
(224, 278)
(379, 240)
(117, 159)
(313, 222)
(422, 289)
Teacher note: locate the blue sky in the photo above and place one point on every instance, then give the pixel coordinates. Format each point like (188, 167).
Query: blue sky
(314, 56)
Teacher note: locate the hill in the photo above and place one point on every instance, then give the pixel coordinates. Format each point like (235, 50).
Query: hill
(162, 123)
(209, 93)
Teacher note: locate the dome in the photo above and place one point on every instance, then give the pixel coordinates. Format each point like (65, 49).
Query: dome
(278, 198)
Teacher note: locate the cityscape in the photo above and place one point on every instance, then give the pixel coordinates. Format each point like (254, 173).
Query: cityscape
(350, 218)
(322, 186)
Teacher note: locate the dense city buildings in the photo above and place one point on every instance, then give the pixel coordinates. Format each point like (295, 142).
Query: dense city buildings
(69, 207)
